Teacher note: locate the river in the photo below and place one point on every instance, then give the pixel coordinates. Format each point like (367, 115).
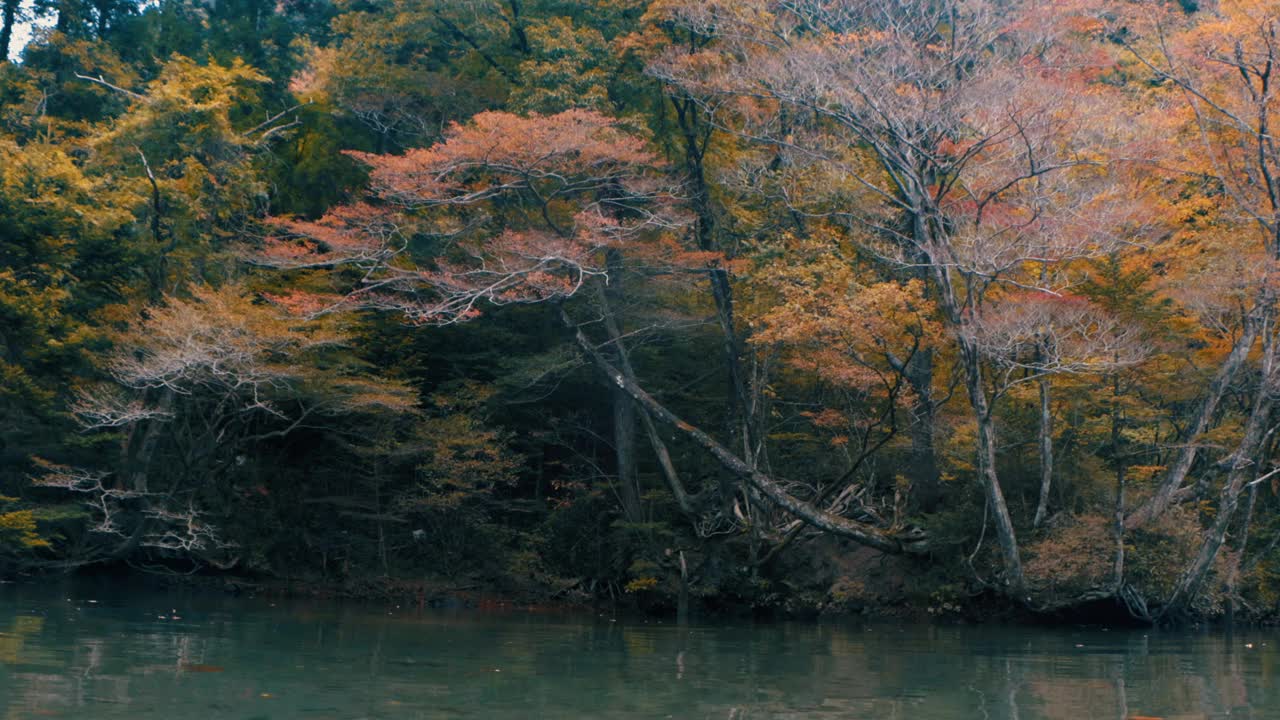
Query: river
(84, 652)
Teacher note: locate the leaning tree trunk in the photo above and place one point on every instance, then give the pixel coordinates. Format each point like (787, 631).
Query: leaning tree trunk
(1239, 465)
(665, 463)
(1166, 493)
(766, 485)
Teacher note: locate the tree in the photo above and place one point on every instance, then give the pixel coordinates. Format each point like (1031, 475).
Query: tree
(58, 223)
(195, 385)
(855, 335)
(575, 185)
(1218, 73)
(188, 144)
(980, 166)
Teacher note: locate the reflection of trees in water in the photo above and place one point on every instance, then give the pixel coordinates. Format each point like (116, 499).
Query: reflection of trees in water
(90, 663)
(61, 664)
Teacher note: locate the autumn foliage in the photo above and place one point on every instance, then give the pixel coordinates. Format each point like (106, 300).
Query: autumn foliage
(523, 206)
(668, 301)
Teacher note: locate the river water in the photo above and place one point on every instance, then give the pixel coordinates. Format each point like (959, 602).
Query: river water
(80, 652)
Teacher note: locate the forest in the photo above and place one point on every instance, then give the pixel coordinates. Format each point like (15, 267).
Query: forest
(772, 306)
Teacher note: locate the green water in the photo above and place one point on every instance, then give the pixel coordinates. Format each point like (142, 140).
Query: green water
(85, 653)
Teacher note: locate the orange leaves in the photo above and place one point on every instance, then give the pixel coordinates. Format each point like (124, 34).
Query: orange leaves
(347, 234)
(1216, 69)
(506, 209)
(828, 319)
(574, 150)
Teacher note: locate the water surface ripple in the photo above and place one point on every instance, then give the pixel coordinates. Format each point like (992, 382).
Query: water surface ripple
(83, 653)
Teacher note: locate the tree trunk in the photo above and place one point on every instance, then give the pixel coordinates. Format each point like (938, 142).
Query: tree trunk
(1233, 574)
(103, 8)
(1239, 464)
(1118, 524)
(682, 600)
(624, 410)
(986, 462)
(766, 485)
(147, 436)
(1177, 473)
(960, 318)
(925, 478)
(624, 446)
(1046, 453)
(8, 18)
(696, 136)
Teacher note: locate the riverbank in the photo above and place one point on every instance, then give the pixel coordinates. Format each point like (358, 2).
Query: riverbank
(884, 596)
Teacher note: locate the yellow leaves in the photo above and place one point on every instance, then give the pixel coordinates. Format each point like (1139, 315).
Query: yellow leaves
(196, 99)
(375, 395)
(641, 583)
(312, 80)
(465, 454)
(569, 67)
(958, 446)
(209, 85)
(827, 318)
(18, 529)
(1194, 208)
(49, 203)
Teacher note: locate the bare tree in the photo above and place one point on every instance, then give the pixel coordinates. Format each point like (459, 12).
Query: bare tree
(1032, 336)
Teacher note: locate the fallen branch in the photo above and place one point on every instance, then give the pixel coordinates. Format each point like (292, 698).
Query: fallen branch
(915, 543)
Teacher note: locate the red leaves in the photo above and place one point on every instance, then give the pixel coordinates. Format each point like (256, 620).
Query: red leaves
(510, 209)
(498, 152)
(347, 234)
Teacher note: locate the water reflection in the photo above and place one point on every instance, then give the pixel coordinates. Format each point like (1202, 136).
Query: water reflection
(145, 655)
